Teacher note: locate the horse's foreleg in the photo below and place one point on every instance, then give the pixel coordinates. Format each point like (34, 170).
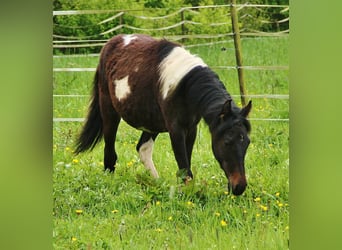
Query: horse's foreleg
(178, 142)
(190, 140)
(145, 149)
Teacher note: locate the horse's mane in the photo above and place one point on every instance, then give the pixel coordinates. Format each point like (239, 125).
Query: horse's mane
(207, 94)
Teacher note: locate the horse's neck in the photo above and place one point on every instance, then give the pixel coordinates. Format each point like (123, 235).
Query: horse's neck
(207, 94)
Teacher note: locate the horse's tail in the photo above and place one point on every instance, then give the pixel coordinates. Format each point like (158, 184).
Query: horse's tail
(92, 130)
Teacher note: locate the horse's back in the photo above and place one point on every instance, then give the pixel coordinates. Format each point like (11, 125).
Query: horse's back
(130, 64)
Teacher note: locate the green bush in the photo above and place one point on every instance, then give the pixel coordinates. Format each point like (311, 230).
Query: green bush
(199, 21)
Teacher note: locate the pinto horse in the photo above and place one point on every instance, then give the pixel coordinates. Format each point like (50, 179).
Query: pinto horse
(158, 86)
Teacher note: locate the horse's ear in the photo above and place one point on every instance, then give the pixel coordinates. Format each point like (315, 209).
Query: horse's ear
(227, 108)
(245, 110)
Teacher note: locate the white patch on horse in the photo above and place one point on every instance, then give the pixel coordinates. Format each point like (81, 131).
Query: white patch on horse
(122, 89)
(128, 38)
(174, 67)
(145, 154)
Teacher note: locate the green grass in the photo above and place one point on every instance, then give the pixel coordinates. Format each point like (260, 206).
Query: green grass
(130, 210)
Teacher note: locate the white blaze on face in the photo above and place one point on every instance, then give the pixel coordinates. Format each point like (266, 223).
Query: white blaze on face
(122, 89)
(128, 38)
(145, 154)
(174, 67)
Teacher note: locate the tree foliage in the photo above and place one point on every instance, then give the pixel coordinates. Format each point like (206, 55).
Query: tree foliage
(207, 21)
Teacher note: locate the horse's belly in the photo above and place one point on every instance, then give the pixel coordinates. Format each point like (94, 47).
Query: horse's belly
(141, 113)
(144, 120)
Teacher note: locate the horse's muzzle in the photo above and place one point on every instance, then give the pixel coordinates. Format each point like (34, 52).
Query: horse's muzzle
(237, 183)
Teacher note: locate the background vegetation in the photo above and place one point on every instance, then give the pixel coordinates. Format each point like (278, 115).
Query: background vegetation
(198, 21)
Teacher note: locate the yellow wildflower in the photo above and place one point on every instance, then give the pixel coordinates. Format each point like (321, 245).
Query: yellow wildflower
(158, 203)
(190, 204)
(257, 199)
(170, 218)
(75, 161)
(277, 194)
(115, 211)
(217, 214)
(79, 211)
(159, 230)
(73, 239)
(257, 215)
(280, 204)
(224, 223)
(263, 208)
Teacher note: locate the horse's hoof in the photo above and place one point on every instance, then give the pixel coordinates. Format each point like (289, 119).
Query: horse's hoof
(187, 180)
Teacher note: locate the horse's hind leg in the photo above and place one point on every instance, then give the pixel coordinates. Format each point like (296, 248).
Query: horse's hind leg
(145, 149)
(111, 120)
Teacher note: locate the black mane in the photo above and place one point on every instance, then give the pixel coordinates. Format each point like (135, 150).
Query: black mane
(206, 94)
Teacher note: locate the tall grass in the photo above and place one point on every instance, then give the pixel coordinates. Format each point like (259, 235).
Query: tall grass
(130, 210)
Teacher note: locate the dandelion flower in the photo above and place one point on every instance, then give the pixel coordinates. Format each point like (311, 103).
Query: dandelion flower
(217, 214)
(226, 192)
(79, 211)
(67, 149)
(75, 161)
(158, 203)
(277, 194)
(257, 199)
(257, 215)
(190, 204)
(73, 239)
(280, 204)
(223, 223)
(263, 208)
(115, 211)
(159, 230)
(170, 218)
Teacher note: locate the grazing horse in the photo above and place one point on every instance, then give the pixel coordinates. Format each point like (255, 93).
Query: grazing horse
(158, 86)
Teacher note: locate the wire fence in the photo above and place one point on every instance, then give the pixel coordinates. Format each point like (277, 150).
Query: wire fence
(187, 31)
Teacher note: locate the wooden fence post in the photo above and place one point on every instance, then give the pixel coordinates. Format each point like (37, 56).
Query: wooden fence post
(182, 26)
(238, 54)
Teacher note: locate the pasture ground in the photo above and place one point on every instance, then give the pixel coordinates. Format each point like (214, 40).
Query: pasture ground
(130, 210)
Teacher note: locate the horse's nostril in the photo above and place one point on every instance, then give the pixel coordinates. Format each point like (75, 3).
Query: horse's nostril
(239, 189)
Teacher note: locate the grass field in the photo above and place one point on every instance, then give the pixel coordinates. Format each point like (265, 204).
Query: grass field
(130, 210)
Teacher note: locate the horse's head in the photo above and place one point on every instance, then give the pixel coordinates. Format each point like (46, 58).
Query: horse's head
(230, 142)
